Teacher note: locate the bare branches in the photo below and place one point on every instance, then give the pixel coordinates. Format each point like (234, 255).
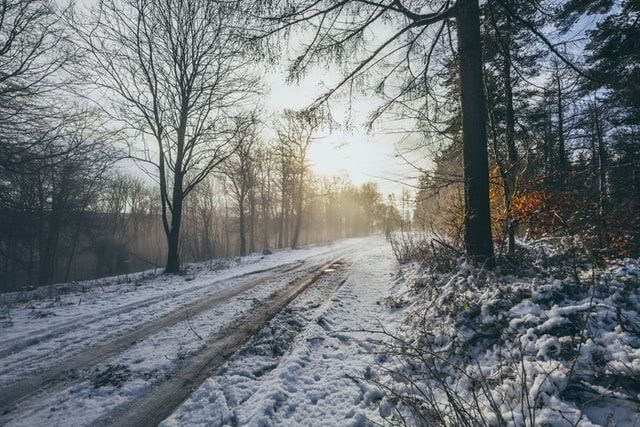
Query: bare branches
(173, 71)
(340, 29)
(34, 49)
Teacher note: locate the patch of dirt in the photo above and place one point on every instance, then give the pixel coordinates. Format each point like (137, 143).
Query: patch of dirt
(112, 375)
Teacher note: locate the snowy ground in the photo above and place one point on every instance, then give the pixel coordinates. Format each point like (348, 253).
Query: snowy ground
(295, 338)
(305, 366)
(551, 341)
(301, 368)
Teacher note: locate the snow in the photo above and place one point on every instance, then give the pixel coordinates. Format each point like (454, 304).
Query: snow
(536, 347)
(71, 321)
(366, 344)
(318, 380)
(38, 333)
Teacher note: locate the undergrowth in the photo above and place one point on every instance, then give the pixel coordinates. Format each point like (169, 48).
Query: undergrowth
(548, 338)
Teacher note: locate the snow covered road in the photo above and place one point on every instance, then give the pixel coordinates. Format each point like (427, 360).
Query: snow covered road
(305, 367)
(103, 355)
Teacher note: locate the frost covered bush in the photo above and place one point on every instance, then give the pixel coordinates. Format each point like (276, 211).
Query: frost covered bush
(405, 246)
(536, 348)
(412, 247)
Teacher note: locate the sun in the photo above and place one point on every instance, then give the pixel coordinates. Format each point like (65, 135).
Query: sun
(351, 154)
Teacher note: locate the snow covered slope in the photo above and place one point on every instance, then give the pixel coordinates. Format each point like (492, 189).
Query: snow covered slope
(545, 345)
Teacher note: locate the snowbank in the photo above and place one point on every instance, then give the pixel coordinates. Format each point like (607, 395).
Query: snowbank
(543, 345)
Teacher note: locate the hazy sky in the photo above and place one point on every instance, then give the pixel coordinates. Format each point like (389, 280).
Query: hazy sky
(363, 156)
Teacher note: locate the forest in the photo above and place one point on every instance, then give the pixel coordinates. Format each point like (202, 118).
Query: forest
(124, 151)
(542, 141)
(174, 251)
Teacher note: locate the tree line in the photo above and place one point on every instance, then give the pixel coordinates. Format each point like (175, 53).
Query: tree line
(531, 133)
(92, 220)
(167, 86)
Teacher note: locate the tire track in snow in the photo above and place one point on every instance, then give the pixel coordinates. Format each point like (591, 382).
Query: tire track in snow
(55, 375)
(164, 398)
(19, 343)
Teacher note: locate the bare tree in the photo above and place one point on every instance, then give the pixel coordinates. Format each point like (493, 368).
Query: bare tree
(173, 72)
(44, 204)
(202, 216)
(265, 163)
(34, 49)
(240, 170)
(295, 135)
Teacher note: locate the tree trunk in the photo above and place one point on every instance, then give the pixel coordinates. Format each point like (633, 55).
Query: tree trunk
(477, 217)
(243, 238)
(227, 237)
(296, 231)
(252, 219)
(265, 198)
(602, 163)
(281, 221)
(173, 237)
(563, 163)
(548, 143)
(173, 245)
(286, 225)
(512, 152)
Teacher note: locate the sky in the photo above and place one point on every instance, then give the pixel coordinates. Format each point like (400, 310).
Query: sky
(361, 155)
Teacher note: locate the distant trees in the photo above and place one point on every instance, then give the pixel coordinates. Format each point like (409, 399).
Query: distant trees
(124, 231)
(87, 222)
(44, 205)
(174, 73)
(53, 161)
(295, 135)
(372, 203)
(241, 172)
